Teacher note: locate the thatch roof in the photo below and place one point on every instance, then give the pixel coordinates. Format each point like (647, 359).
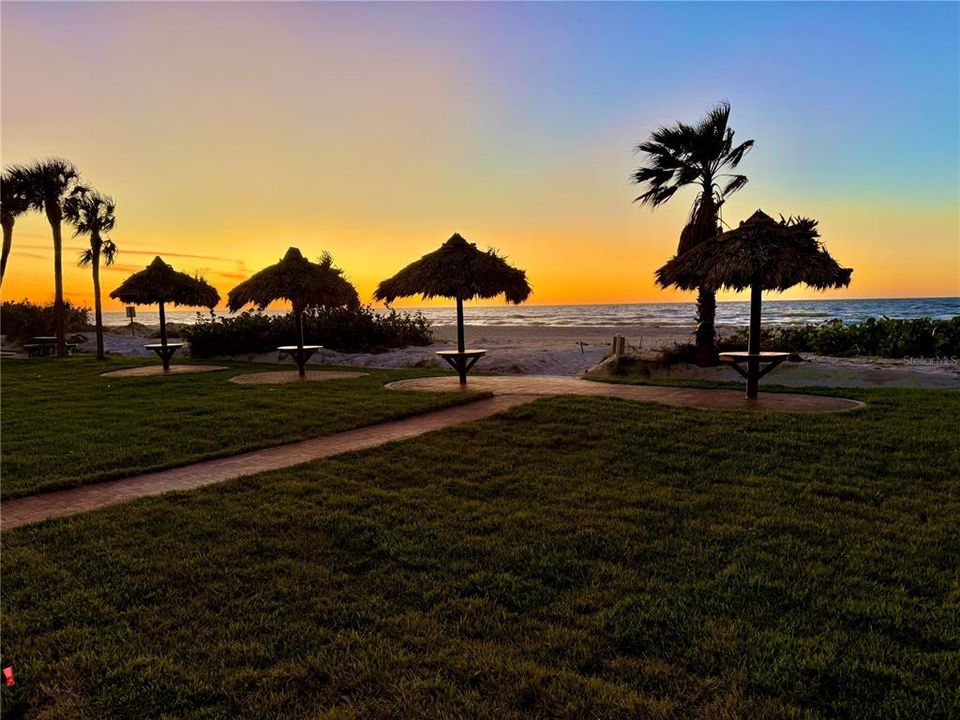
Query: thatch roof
(778, 254)
(160, 283)
(305, 284)
(457, 268)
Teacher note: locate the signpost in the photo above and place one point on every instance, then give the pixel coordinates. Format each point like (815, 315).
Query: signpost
(132, 313)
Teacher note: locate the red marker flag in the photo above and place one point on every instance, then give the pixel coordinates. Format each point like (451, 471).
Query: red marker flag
(8, 675)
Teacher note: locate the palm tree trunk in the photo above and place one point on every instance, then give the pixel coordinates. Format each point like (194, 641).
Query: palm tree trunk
(7, 242)
(97, 305)
(706, 327)
(58, 314)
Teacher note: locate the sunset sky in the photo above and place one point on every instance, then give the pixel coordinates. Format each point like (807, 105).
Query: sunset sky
(230, 131)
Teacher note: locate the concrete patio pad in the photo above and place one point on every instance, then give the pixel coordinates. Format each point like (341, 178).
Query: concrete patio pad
(154, 370)
(700, 398)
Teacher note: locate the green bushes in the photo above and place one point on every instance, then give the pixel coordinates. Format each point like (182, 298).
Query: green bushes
(22, 321)
(361, 330)
(883, 337)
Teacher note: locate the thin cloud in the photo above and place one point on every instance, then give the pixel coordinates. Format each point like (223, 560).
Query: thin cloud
(120, 267)
(241, 265)
(48, 248)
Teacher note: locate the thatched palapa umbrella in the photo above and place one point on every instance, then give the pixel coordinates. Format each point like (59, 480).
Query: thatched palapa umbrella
(760, 254)
(461, 271)
(305, 284)
(158, 284)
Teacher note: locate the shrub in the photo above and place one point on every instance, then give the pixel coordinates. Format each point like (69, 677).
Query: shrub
(360, 330)
(22, 321)
(882, 337)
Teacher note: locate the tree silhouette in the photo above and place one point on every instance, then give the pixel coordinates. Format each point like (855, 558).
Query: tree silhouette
(13, 203)
(92, 213)
(702, 155)
(47, 184)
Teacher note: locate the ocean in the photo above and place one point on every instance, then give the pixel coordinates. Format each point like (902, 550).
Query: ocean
(780, 312)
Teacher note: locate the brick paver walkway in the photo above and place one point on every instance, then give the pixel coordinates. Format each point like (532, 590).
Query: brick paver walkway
(34, 508)
(508, 392)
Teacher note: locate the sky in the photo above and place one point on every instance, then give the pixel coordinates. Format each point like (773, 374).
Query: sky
(228, 132)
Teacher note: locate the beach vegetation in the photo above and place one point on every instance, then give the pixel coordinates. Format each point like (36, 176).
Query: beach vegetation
(336, 328)
(21, 321)
(918, 338)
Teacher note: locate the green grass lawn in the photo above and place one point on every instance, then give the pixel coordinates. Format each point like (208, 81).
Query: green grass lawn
(62, 424)
(575, 558)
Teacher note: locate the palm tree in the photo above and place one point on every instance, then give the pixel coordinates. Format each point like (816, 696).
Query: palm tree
(48, 183)
(701, 155)
(13, 203)
(93, 214)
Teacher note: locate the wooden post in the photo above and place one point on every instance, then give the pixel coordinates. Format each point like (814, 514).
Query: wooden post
(619, 350)
(461, 362)
(753, 344)
(164, 356)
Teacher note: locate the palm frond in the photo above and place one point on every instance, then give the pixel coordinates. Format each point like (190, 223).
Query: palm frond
(48, 182)
(14, 200)
(680, 155)
(734, 156)
(109, 252)
(735, 183)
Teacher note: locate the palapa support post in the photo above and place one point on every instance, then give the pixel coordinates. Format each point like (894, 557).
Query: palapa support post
(301, 361)
(164, 353)
(753, 343)
(461, 365)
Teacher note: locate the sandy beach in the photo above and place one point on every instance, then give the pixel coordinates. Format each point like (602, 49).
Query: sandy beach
(572, 351)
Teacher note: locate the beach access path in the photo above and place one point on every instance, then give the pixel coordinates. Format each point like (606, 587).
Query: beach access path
(508, 392)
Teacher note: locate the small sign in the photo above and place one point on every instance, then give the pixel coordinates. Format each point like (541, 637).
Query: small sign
(131, 312)
(8, 676)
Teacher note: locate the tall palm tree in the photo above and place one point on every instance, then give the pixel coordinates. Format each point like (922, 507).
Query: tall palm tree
(701, 155)
(92, 213)
(48, 183)
(13, 203)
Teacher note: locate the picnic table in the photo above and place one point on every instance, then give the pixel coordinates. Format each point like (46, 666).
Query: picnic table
(753, 361)
(462, 361)
(300, 355)
(165, 351)
(46, 345)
